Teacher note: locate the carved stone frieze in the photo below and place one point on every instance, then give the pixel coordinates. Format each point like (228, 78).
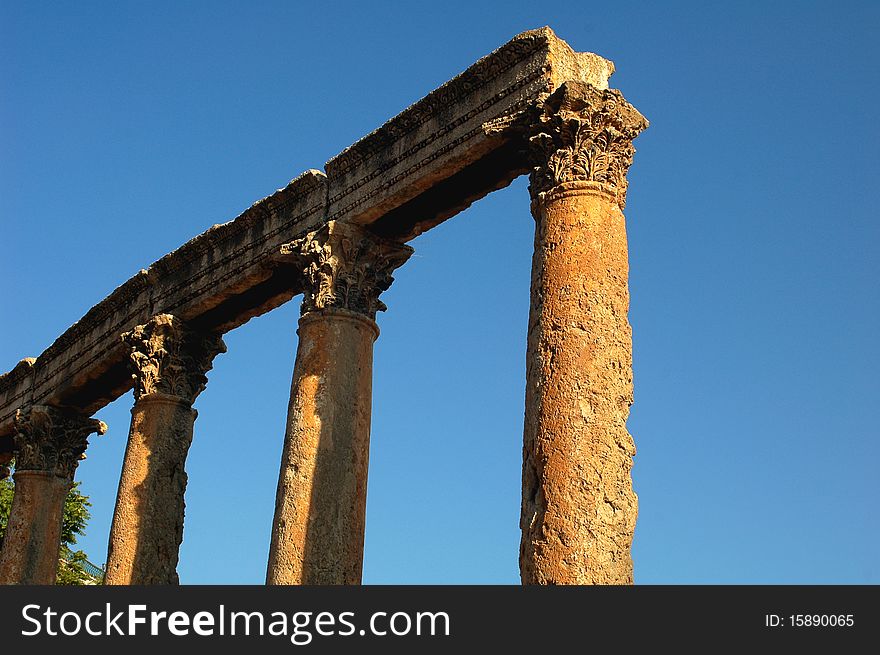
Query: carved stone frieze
(581, 133)
(346, 267)
(52, 439)
(168, 357)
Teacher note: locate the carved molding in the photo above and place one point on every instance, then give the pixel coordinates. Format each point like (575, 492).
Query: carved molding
(52, 439)
(479, 75)
(168, 357)
(583, 134)
(345, 267)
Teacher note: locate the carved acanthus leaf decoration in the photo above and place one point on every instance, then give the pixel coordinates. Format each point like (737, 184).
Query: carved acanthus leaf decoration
(52, 439)
(346, 267)
(582, 133)
(168, 357)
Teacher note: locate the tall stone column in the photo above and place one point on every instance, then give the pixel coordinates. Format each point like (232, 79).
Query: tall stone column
(318, 531)
(49, 443)
(578, 506)
(169, 362)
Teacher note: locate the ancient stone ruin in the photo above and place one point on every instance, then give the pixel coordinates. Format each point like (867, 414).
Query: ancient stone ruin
(534, 106)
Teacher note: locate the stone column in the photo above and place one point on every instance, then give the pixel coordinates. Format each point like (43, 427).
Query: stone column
(169, 361)
(578, 506)
(49, 443)
(318, 531)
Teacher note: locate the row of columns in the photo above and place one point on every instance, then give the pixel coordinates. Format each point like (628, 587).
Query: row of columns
(578, 506)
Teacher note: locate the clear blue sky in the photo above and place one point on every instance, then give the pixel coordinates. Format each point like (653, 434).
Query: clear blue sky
(128, 127)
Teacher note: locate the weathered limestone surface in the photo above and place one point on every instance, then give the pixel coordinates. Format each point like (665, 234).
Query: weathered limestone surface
(169, 361)
(322, 489)
(578, 508)
(418, 169)
(33, 541)
(318, 531)
(49, 445)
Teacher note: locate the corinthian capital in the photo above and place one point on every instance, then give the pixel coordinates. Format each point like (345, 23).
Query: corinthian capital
(346, 267)
(169, 357)
(52, 439)
(583, 134)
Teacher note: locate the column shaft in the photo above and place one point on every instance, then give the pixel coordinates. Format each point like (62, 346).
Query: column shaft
(579, 509)
(318, 534)
(33, 534)
(147, 527)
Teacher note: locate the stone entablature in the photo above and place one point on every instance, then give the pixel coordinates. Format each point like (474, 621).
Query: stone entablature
(229, 274)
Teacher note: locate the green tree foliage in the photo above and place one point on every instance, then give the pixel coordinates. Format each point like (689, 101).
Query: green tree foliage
(72, 565)
(5, 506)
